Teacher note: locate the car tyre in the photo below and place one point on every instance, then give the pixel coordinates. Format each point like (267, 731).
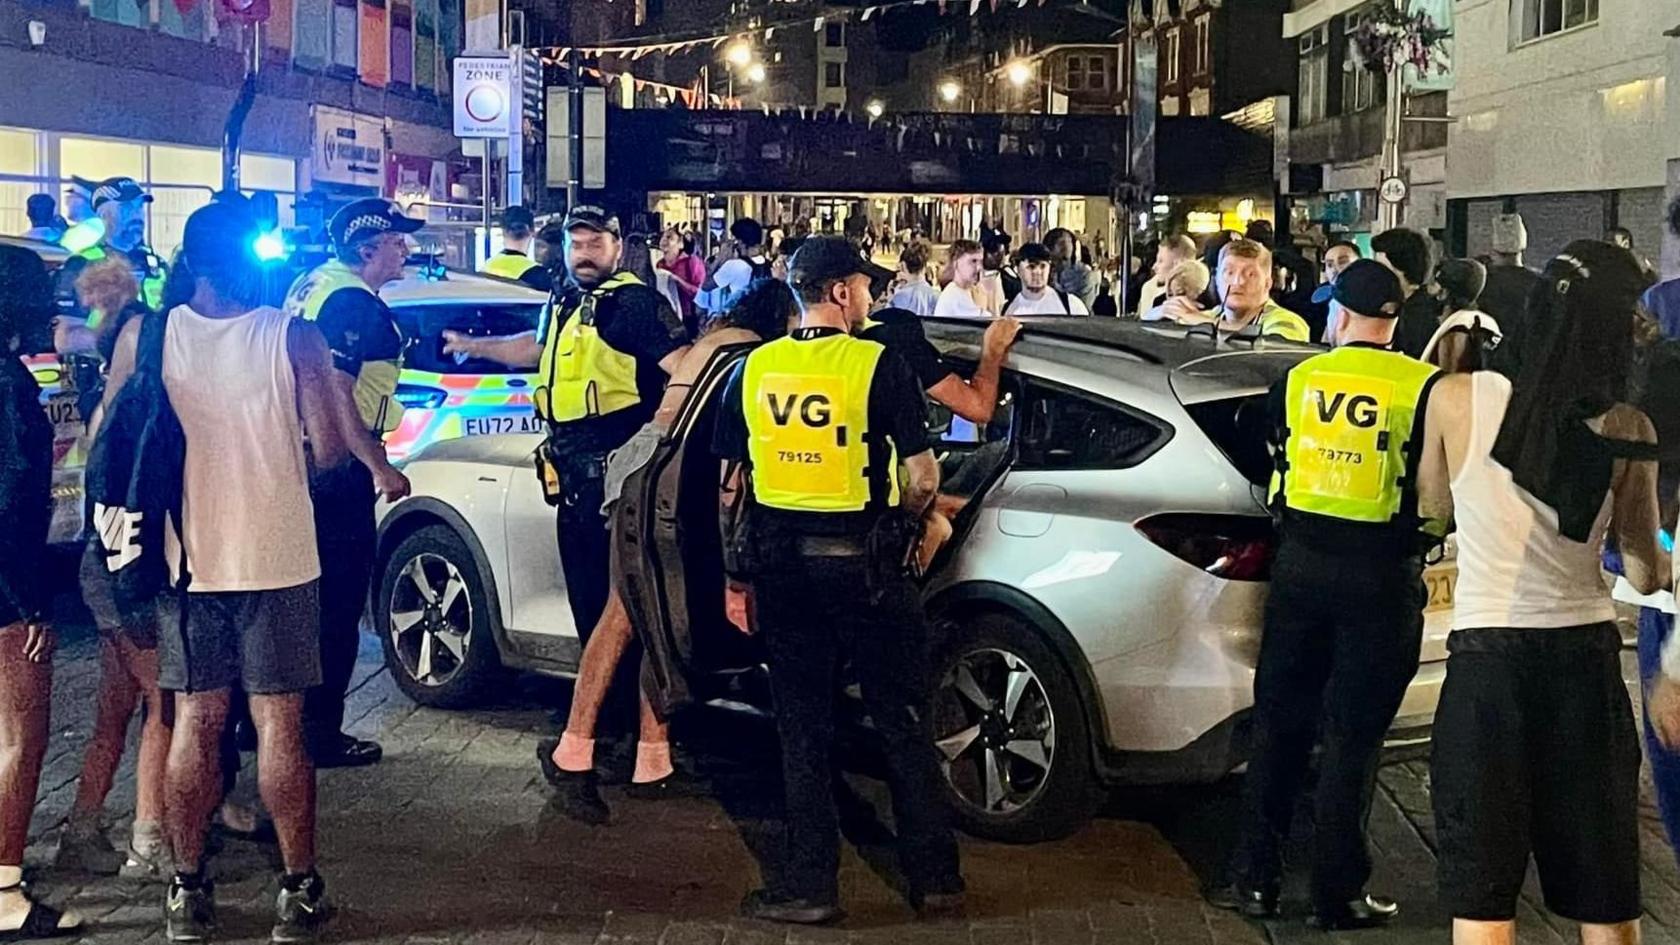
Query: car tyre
(1011, 733)
(434, 621)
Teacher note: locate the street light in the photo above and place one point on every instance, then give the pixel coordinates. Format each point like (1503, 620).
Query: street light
(755, 72)
(875, 108)
(949, 90)
(1019, 73)
(739, 52)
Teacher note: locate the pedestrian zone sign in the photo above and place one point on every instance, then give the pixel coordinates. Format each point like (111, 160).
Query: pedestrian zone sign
(484, 103)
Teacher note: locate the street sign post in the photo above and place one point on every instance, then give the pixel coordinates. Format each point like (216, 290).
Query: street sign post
(484, 97)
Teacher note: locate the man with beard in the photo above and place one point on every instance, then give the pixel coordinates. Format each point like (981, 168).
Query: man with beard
(603, 350)
(120, 205)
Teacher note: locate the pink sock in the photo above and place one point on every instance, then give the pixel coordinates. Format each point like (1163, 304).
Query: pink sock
(653, 762)
(574, 753)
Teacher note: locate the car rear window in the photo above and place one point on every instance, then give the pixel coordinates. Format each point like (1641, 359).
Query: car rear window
(424, 325)
(1064, 430)
(1237, 425)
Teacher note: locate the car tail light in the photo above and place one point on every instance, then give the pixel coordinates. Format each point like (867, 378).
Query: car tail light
(1234, 547)
(417, 397)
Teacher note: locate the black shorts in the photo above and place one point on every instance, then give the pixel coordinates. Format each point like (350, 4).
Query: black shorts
(269, 642)
(1535, 752)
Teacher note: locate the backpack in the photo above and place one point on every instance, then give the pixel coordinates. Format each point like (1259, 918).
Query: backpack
(761, 270)
(134, 477)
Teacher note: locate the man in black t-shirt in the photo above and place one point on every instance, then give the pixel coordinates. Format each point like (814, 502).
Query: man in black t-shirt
(974, 399)
(370, 243)
(813, 430)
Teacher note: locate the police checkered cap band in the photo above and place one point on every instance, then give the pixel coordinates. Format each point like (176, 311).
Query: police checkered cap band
(368, 221)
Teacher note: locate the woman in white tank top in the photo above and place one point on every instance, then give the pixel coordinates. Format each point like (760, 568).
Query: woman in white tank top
(1535, 751)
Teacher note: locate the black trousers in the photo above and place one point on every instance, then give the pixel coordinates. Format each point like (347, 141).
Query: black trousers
(1340, 646)
(344, 537)
(586, 564)
(812, 612)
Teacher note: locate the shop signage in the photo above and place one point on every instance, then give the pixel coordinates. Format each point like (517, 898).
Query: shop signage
(347, 148)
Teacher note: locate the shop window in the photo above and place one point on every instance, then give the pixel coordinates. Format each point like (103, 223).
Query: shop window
(1540, 18)
(425, 43)
(125, 12)
(96, 160)
(834, 35)
(1076, 73)
(1170, 53)
(17, 156)
(833, 76)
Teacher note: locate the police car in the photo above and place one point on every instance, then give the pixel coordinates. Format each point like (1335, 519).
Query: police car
(444, 397)
(1097, 616)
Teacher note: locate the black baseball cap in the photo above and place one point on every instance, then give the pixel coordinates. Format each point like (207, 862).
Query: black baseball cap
(120, 189)
(220, 234)
(1369, 288)
(591, 218)
(369, 217)
(822, 258)
(1034, 252)
(518, 216)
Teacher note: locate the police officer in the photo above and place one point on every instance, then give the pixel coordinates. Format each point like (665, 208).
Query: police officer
(1344, 620)
(603, 350)
(370, 242)
(813, 430)
(514, 261)
(120, 206)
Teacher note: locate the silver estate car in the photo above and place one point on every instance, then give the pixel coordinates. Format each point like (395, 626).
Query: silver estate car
(1095, 619)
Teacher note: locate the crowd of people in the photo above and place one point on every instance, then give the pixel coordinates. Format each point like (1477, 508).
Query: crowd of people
(233, 548)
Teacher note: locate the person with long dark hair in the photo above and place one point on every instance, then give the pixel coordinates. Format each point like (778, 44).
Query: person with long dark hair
(26, 633)
(1535, 750)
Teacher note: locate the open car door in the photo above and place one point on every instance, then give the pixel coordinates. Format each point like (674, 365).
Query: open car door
(672, 573)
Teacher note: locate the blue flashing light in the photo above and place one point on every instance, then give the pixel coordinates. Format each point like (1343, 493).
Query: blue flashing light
(270, 247)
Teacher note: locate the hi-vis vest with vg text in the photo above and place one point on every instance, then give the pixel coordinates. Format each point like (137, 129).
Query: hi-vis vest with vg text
(376, 381)
(509, 265)
(582, 375)
(1351, 414)
(807, 410)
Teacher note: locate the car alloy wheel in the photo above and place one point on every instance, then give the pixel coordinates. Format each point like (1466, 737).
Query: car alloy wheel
(997, 735)
(431, 619)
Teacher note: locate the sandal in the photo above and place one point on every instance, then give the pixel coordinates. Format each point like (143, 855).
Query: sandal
(42, 921)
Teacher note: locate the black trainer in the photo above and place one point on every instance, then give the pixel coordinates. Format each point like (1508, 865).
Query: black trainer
(189, 914)
(775, 907)
(577, 794)
(1366, 912)
(345, 751)
(300, 913)
(1252, 902)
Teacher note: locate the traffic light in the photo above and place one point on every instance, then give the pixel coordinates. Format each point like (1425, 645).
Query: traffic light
(242, 11)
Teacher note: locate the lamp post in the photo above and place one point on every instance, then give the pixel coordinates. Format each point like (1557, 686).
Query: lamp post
(1391, 186)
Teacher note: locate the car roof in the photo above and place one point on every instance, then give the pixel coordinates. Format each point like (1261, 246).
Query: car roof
(459, 287)
(51, 253)
(1198, 367)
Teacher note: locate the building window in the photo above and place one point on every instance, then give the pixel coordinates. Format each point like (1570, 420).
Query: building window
(832, 75)
(1170, 50)
(1362, 87)
(1538, 18)
(834, 35)
(1076, 73)
(1204, 38)
(1315, 75)
(1096, 73)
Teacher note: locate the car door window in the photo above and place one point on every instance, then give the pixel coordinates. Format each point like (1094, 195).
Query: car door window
(423, 327)
(1064, 430)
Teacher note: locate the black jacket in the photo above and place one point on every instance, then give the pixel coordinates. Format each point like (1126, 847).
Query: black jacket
(26, 442)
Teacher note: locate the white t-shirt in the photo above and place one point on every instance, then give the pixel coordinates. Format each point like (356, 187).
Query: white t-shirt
(957, 302)
(1463, 318)
(1048, 303)
(734, 275)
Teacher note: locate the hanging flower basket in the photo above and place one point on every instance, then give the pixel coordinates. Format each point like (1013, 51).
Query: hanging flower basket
(1391, 38)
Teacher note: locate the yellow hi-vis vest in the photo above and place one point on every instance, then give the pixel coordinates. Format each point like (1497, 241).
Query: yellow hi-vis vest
(509, 265)
(806, 404)
(376, 382)
(1351, 414)
(582, 375)
(151, 281)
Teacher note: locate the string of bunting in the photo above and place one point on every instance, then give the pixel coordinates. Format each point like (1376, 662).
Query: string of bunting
(642, 46)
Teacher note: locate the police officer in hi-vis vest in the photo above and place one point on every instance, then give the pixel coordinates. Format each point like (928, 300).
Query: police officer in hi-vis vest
(603, 350)
(341, 296)
(814, 430)
(1344, 620)
(514, 261)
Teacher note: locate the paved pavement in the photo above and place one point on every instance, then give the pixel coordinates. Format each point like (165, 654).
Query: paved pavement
(448, 841)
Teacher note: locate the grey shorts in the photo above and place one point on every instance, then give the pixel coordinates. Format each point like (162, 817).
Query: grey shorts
(269, 642)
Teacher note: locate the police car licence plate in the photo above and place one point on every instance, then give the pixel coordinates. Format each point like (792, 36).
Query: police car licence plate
(483, 426)
(1440, 581)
